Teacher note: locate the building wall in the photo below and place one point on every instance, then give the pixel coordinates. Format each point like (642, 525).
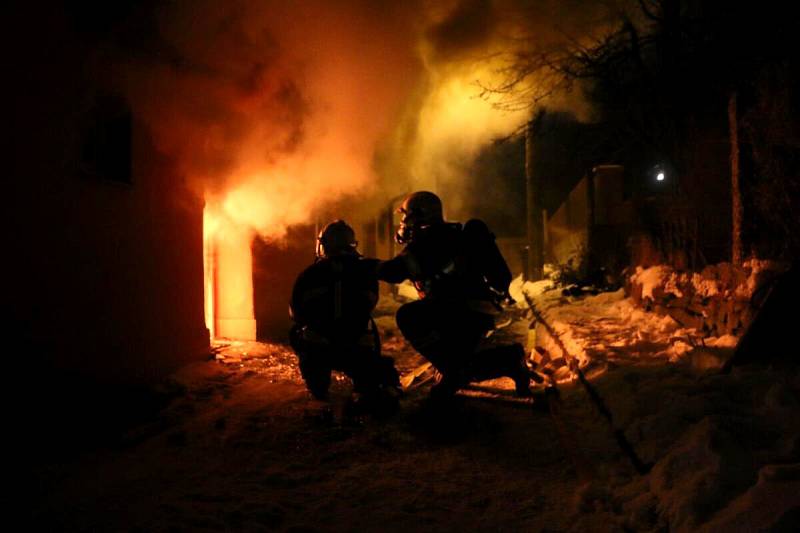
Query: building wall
(568, 229)
(275, 270)
(592, 227)
(106, 275)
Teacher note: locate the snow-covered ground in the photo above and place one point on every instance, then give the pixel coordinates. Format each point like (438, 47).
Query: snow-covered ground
(244, 447)
(608, 330)
(724, 448)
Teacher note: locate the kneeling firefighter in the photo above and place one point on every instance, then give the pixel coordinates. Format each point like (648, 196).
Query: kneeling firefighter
(461, 278)
(331, 306)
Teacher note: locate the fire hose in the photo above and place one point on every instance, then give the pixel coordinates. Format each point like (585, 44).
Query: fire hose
(554, 401)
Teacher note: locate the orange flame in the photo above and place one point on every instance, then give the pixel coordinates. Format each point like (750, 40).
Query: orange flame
(228, 268)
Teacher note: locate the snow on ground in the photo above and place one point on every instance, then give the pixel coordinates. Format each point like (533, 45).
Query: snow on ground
(723, 278)
(721, 446)
(608, 328)
(244, 447)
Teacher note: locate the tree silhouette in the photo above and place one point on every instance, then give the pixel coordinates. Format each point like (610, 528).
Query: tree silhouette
(660, 80)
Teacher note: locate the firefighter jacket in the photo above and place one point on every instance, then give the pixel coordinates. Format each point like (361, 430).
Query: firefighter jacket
(335, 296)
(451, 261)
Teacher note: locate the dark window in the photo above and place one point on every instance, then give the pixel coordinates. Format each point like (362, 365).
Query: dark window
(106, 148)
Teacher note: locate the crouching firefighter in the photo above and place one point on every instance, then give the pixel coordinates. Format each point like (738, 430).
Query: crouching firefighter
(331, 307)
(461, 278)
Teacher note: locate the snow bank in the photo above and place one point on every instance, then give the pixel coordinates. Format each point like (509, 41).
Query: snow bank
(608, 327)
(726, 451)
(705, 469)
(769, 505)
(533, 289)
(717, 300)
(650, 278)
(722, 279)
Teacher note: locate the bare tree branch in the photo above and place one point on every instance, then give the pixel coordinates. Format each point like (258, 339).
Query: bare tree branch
(648, 13)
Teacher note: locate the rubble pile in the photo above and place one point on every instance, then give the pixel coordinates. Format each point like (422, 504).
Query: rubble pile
(275, 361)
(721, 300)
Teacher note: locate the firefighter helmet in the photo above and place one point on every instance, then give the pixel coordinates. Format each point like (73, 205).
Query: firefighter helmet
(336, 238)
(419, 210)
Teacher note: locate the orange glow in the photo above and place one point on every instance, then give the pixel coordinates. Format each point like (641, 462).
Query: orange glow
(209, 285)
(228, 267)
(454, 123)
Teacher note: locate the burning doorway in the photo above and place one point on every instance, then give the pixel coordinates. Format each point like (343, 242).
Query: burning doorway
(248, 280)
(228, 274)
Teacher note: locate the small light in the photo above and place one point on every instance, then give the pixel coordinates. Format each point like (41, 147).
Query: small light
(660, 176)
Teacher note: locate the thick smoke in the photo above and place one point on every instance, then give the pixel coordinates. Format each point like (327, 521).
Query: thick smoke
(466, 48)
(273, 109)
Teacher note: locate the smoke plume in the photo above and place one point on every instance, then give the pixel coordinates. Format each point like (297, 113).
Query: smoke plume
(466, 48)
(274, 110)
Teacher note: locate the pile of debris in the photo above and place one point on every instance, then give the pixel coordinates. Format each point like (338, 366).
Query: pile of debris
(720, 449)
(721, 300)
(273, 360)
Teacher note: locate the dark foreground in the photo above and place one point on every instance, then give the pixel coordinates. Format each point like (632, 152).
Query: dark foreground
(241, 446)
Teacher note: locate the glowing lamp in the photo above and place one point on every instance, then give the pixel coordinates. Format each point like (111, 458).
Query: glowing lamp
(660, 176)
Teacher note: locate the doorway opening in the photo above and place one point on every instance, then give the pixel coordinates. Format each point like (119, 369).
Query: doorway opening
(228, 273)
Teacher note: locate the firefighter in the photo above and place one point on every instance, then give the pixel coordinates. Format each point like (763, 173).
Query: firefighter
(331, 307)
(461, 278)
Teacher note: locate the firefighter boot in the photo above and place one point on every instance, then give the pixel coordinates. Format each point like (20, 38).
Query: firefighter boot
(504, 361)
(521, 369)
(517, 370)
(446, 385)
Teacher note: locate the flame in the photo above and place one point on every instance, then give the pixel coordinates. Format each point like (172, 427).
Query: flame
(274, 111)
(228, 269)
